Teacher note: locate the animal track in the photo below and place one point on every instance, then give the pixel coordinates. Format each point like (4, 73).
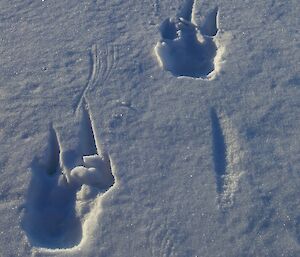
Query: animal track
(102, 63)
(227, 156)
(54, 213)
(187, 49)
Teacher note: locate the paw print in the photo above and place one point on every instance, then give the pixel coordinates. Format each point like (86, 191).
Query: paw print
(187, 49)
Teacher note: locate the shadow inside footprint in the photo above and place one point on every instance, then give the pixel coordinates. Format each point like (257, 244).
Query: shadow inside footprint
(50, 219)
(184, 50)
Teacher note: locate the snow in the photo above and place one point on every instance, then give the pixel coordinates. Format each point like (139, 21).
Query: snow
(109, 149)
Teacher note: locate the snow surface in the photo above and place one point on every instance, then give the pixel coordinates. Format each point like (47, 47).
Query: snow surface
(106, 151)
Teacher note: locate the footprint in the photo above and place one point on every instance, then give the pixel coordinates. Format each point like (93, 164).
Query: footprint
(187, 49)
(227, 156)
(53, 218)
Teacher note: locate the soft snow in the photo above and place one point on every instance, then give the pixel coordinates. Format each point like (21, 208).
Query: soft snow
(149, 128)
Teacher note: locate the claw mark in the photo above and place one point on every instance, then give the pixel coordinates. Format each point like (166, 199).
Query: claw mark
(87, 132)
(110, 53)
(187, 10)
(227, 156)
(103, 63)
(54, 152)
(210, 24)
(94, 76)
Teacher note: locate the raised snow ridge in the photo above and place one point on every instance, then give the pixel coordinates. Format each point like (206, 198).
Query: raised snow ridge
(227, 157)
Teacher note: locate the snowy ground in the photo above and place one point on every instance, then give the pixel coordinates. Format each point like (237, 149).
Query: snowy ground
(116, 140)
